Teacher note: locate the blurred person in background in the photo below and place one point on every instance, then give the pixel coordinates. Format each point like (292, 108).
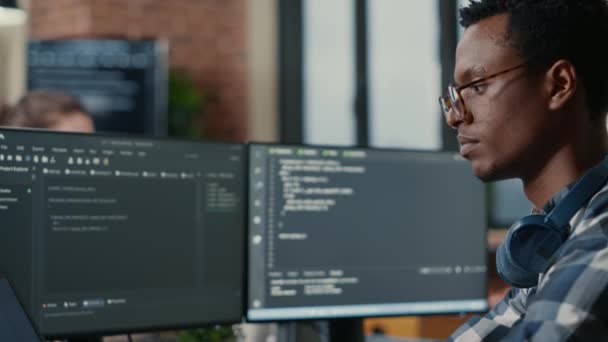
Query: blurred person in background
(48, 110)
(5, 110)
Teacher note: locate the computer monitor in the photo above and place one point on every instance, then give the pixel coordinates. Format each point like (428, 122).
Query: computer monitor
(108, 234)
(122, 84)
(351, 232)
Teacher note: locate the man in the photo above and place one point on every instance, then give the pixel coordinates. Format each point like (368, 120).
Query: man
(5, 111)
(532, 105)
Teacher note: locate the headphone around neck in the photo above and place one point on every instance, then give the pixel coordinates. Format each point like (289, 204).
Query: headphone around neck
(532, 240)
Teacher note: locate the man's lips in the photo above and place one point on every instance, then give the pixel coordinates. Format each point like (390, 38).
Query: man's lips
(467, 144)
(463, 139)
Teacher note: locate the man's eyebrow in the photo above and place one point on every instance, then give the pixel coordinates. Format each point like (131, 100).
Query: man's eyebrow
(470, 73)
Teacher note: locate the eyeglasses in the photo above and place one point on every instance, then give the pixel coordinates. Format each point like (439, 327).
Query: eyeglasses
(454, 101)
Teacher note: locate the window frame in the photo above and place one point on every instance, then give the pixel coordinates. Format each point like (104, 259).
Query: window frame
(291, 69)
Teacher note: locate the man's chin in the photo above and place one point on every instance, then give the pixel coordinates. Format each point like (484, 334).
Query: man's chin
(485, 172)
(487, 178)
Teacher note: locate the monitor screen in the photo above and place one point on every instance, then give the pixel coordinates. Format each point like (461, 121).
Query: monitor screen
(350, 232)
(122, 84)
(111, 234)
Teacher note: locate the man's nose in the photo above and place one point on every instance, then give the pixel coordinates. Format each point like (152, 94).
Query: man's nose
(452, 119)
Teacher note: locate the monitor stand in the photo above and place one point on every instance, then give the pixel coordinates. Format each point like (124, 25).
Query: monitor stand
(337, 330)
(84, 339)
(303, 331)
(286, 332)
(346, 329)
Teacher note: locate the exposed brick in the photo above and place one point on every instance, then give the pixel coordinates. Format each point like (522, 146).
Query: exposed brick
(207, 39)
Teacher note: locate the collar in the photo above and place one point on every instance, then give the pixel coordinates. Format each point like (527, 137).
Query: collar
(551, 203)
(562, 193)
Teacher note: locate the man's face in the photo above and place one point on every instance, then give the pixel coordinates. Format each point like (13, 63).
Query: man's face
(73, 122)
(507, 119)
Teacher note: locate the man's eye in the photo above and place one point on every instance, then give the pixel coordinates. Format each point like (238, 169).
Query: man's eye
(478, 88)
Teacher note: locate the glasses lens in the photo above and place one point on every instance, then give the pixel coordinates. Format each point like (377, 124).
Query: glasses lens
(445, 105)
(456, 102)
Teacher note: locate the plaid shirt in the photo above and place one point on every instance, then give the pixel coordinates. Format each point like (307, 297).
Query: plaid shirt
(570, 302)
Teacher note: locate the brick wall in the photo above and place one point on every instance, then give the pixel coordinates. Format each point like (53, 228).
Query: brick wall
(207, 38)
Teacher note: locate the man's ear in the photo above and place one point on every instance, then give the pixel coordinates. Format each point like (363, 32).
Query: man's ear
(561, 83)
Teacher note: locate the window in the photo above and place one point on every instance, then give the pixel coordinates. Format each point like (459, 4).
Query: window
(405, 74)
(366, 72)
(328, 72)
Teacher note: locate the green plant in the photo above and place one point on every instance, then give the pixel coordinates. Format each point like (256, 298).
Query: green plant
(186, 104)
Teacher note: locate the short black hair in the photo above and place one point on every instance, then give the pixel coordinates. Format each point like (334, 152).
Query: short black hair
(544, 31)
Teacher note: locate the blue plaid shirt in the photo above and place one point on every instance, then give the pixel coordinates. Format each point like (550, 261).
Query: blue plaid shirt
(570, 302)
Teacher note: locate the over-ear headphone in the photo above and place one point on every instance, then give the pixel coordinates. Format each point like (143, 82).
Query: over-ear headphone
(531, 241)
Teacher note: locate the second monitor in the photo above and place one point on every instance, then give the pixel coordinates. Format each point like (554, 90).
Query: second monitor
(106, 234)
(349, 232)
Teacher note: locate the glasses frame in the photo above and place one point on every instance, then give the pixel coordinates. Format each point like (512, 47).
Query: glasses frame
(454, 100)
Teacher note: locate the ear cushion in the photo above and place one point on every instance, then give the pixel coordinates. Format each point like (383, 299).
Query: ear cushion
(511, 272)
(526, 250)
